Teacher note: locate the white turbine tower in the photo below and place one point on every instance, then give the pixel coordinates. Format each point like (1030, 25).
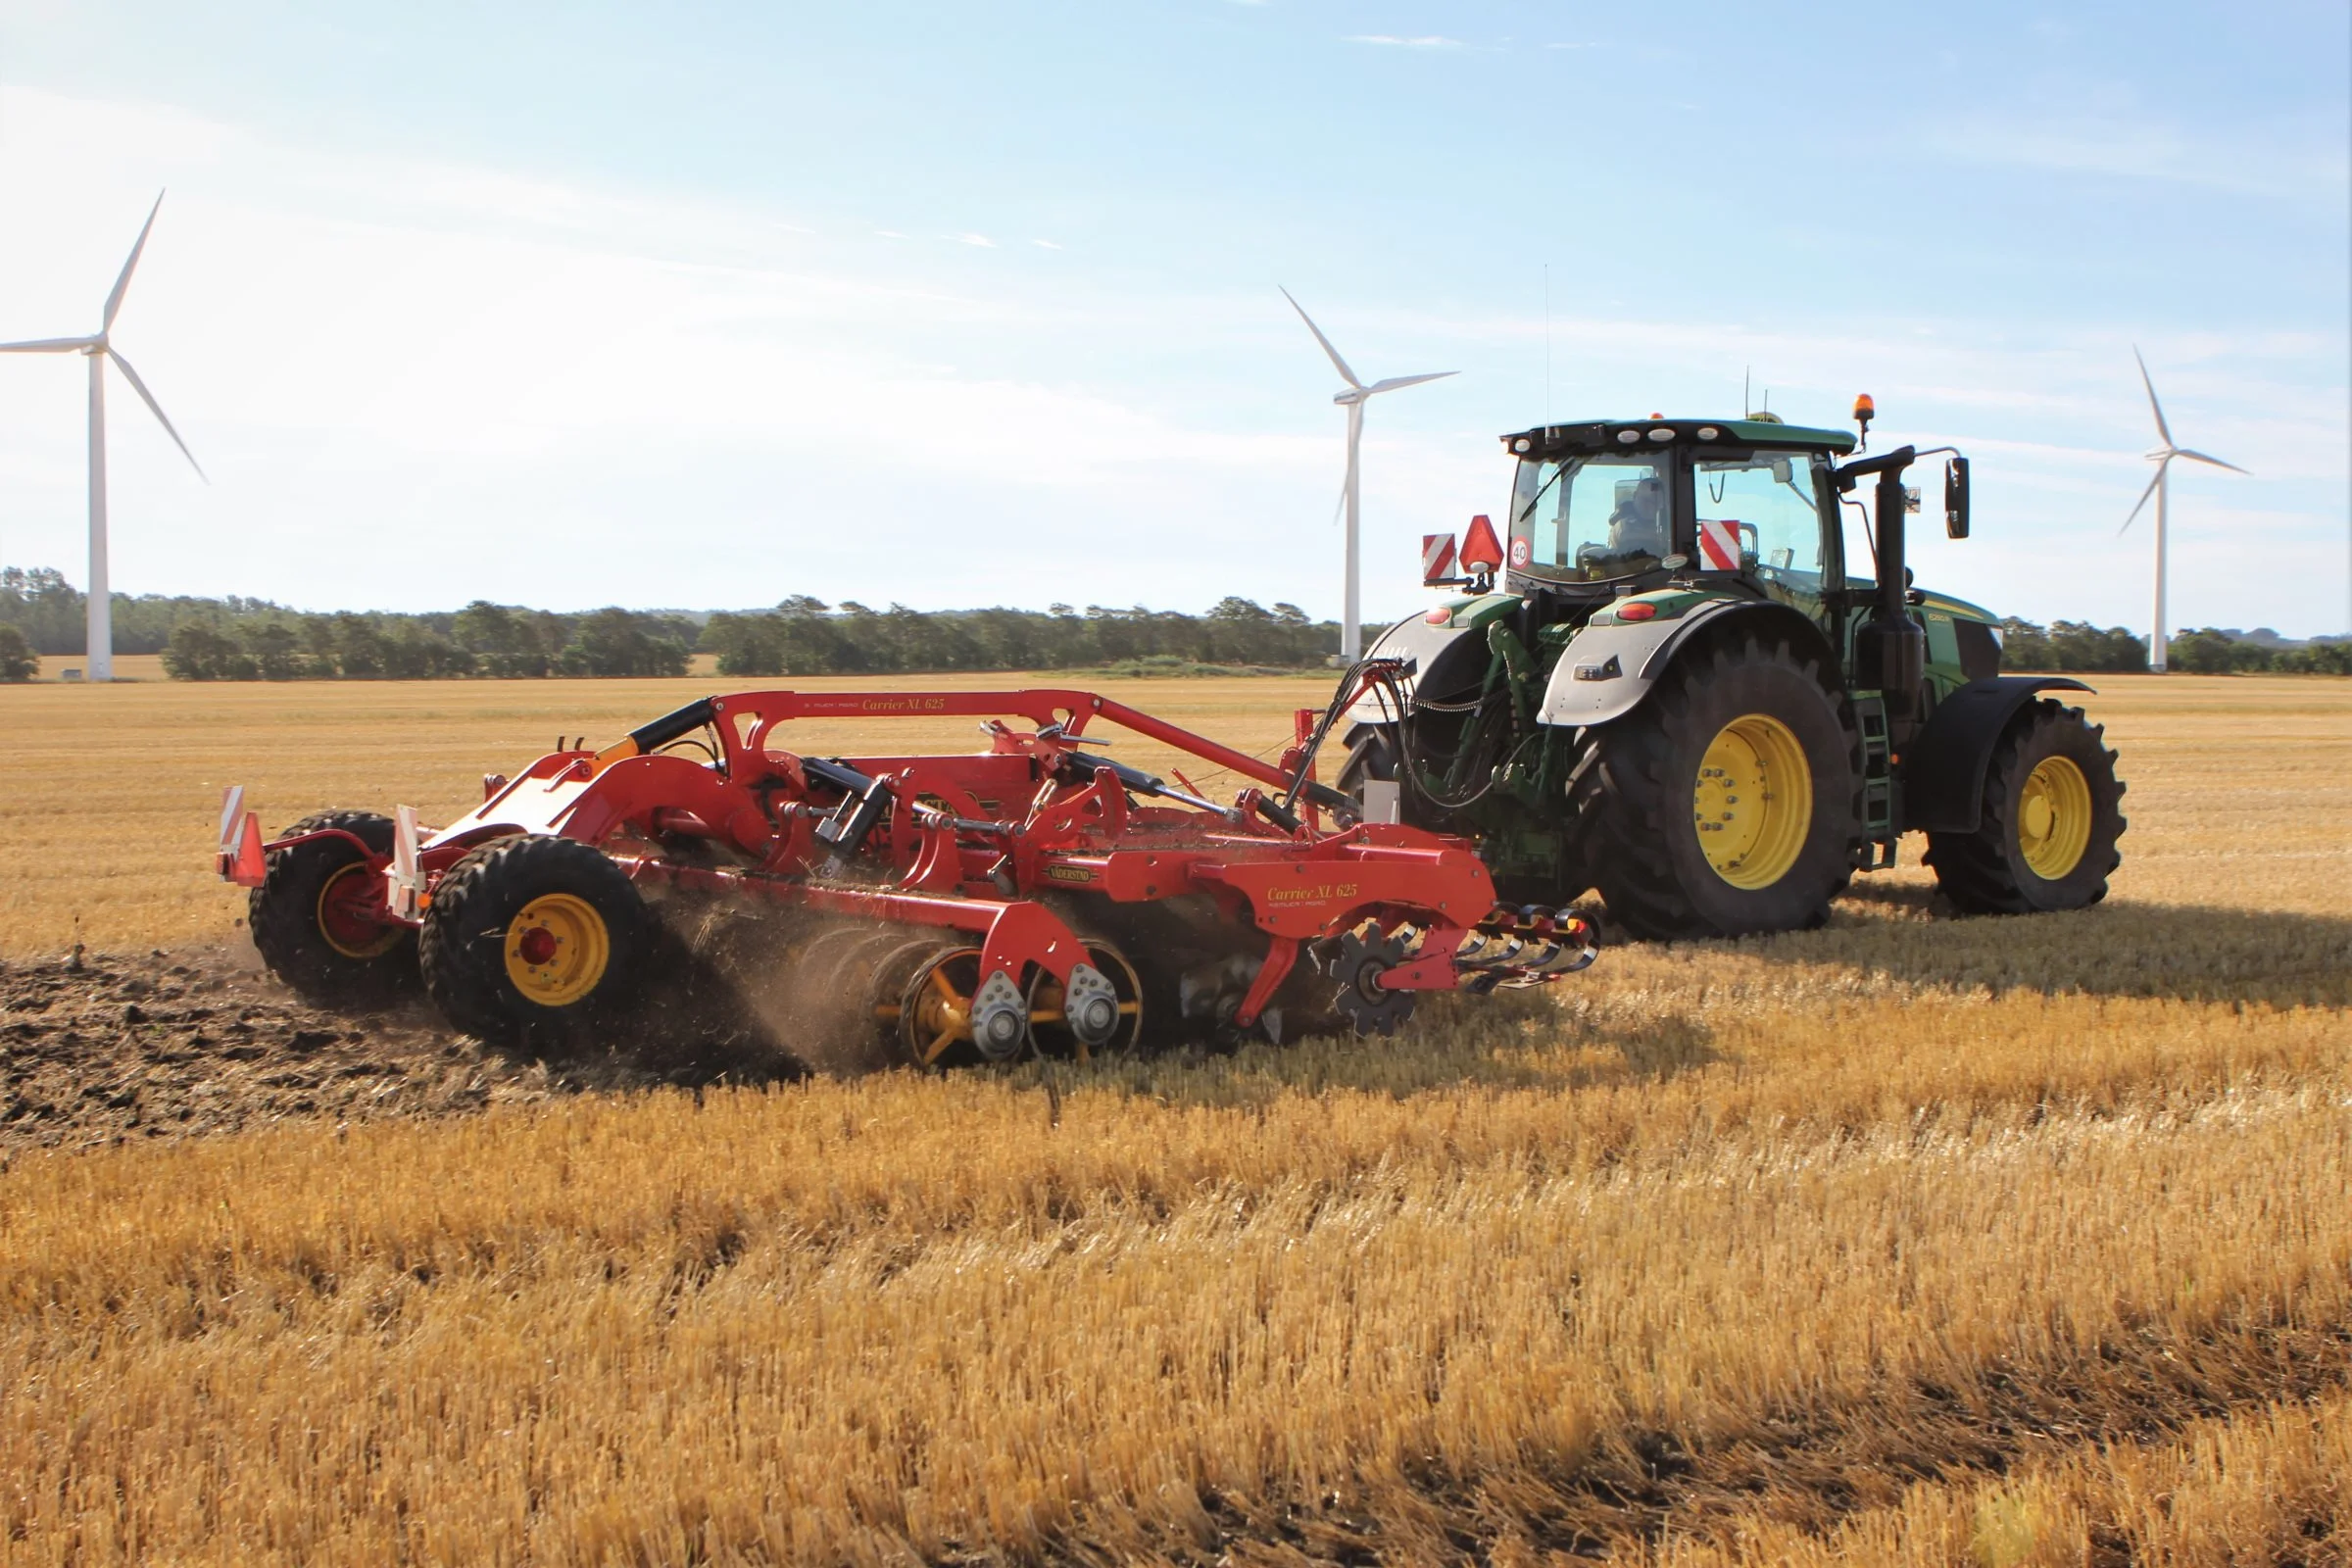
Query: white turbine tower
(98, 349)
(2161, 488)
(1351, 629)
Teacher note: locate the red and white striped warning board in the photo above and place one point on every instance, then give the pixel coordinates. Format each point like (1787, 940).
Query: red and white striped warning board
(1718, 543)
(1436, 557)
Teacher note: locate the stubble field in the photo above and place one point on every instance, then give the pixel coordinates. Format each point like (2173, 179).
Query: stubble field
(1915, 1240)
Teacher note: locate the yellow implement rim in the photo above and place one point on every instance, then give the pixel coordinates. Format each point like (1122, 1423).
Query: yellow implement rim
(937, 1013)
(1753, 801)
(582, 948)
(2053, 817)
(376, 947)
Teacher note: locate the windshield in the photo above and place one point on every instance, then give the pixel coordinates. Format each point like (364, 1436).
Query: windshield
(1761, 513)
(1590, 519)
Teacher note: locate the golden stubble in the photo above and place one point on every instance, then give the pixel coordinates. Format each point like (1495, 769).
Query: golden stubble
(1447, 1295)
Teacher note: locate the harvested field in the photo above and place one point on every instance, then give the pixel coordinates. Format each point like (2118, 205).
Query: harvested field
(1910, 1241)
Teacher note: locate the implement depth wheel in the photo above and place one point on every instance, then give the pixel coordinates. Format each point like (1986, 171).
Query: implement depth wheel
(1050, 1026)
(533, 940)
(949, 1012)
(2050, 818)
(1726, 799)
(319, 918)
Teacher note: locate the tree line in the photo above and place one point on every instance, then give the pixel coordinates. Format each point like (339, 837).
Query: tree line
(2074, 647)
(254, 639)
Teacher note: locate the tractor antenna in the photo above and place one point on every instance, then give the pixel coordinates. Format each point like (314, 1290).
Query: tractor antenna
(1748, 376)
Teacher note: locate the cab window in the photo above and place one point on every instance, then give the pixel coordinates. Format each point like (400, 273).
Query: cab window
(1761, 513)
(1590, 518)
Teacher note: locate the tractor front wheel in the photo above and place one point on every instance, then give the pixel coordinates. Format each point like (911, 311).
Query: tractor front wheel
(2051, 813)
(534, 940)
(319, 918)
(1725, 801)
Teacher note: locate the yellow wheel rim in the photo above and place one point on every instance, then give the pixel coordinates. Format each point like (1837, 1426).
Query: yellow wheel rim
(556, 950)
(938, 1011)
(1753, 801)
(2053, 817)
(343, 918)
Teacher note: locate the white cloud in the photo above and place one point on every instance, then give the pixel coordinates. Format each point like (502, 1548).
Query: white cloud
(407, 378)
(1046, 244)
(1392, 41)
(415, 384)
(981, 240)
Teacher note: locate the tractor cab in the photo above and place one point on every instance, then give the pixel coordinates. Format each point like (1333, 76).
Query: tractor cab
(1601, 509)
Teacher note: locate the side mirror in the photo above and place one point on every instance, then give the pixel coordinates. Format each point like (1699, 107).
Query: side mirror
(1955, 499)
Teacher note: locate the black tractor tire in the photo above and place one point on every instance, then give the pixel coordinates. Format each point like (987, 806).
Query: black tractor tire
(331, 962)
(1993, 871)
(1371, 754)
(596, 939)
(1646, 845)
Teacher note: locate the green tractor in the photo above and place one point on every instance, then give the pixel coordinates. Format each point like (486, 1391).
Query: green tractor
(1686, 695)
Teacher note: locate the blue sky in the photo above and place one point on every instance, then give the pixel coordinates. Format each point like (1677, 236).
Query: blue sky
(962, 304)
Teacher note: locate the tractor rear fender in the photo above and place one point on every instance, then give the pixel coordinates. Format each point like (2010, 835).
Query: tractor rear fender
(1449, 655)
(1606, 671)
(1942, 769)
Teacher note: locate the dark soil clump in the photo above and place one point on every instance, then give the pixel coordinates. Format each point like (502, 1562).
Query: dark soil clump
(98, 1049)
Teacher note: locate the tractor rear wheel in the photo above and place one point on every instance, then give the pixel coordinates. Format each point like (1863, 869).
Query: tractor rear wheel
(2050, 816)
(1725, 803)
(534, 940)
(318, 919)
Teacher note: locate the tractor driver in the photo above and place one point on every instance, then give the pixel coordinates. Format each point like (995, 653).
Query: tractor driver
(1636, 530)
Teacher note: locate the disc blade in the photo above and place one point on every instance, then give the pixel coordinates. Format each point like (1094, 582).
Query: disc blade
(1345, 374)
(2162, 429)
(48, 345)
(2183, 451)
(1395, 381)
(2143, 500)
(157, 409)
(113, 301)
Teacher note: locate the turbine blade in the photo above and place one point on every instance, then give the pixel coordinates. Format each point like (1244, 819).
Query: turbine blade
(1340, 506)
(2183, 451)
(2162, 429)
(113, 301)
(1395, 381)
(48, 345)
(1345, 374)
(2143, 500)
(157, 409)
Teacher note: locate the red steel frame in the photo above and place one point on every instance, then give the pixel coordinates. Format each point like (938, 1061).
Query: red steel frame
(968, 838)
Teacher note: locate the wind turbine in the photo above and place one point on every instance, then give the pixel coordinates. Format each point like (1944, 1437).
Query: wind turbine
(2161, 488)
(98, 349)
(1351, 631)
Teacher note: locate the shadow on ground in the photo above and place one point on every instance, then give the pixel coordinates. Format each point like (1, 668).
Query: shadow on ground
(2186, 952)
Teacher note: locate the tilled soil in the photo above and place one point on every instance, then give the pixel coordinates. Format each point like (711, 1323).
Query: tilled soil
(100, 1048)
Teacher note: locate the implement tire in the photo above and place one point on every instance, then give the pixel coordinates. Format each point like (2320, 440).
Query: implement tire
(534, 940)
(311, 917)
(1725, 803)
(2051, 815)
